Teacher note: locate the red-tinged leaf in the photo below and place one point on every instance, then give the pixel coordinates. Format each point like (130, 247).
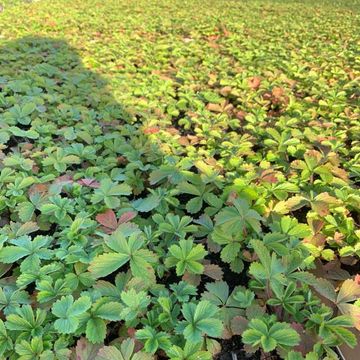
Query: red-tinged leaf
(322, 203)
(151, 130)
(316, 225)
(241, 115)
(64, 179)
(254, 82)
(277, 92)
(126, 217)
(232, 196)
(89, 183)
(38, 188)
(269, 176)
(192, 279)
(317, 240)
(107, 219)
(213, 271)
(339, 238)
(85, 350)
(131, 332)
(357, 279)
(238, 325)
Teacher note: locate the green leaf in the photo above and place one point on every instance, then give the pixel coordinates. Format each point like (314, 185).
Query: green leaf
(186, 257)
(95, 330)
(239, 217)
(200, 319)
(147, 204)
(109, 311)
(68, 312)
(106, 264)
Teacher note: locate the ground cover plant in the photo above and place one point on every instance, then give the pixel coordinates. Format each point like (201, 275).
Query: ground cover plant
(179, 180)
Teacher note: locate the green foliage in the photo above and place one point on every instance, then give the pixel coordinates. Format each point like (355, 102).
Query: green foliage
(170, 181)
(186, 257)
(126, 248)
(199, 319)
(68, 313)
(270, 335)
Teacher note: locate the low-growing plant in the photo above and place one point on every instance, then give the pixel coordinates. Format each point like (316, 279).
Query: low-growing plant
(179, 179)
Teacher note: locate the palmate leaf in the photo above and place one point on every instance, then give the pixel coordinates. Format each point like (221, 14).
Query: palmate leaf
(127, 351)
(260, 333)
(101, 312)
(147, 204)
(349, 291)
(5, 340)
(239, 217)
(68, 313)
(126, 249)
(85, 350)
(230, 240)
(200, 319)
(110, 193)
(191, 351)
(186, 257)
(95, 330)
(24, 246)
(153, 339)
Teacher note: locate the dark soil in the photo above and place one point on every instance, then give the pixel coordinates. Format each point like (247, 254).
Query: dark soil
(232, 349)
(231, 278)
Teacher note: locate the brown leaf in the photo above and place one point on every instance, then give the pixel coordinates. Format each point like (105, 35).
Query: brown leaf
(213, 271)
(172, 131)
(307, 340)
(192, 279)
(217, 108)
(183, 140)
(322, 203)
(225, 91)
(239, 325)
(317, 240)
(316, 225)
